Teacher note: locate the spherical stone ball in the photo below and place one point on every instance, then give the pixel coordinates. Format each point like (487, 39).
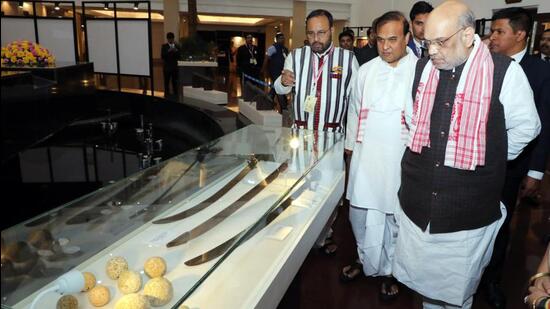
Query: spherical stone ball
(155, 267)
(89, 281)
(99, 296)
(129, 281)
(116, 266)
(159, 291)
(67, 302)
(132, 301)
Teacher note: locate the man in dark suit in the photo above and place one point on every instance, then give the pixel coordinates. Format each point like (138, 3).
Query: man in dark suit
(247, 59)
(170, 54)
(369, 51)
(509, 32)
(419, 14)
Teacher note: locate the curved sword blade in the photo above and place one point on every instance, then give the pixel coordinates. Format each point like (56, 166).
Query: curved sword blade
(222, 215)
(221, 249)
(213, 198)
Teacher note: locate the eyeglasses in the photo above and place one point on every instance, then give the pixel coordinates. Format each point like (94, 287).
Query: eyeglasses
(320, 33)
(438, 43)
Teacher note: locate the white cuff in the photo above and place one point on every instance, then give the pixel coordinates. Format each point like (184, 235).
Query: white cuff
(535, 174)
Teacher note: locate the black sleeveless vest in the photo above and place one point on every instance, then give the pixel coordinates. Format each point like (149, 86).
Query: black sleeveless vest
(451, 199)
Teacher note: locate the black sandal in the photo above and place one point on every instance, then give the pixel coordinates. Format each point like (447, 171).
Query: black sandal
(330, 247)
(351, 272)
(386, 288)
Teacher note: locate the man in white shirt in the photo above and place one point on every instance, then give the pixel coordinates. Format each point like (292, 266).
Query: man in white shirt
(510, 30)
(320, 77)
(376, 137)
(419, 14)
(471, 111)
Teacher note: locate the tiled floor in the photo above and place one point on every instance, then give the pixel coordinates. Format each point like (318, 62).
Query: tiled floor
(317, 284)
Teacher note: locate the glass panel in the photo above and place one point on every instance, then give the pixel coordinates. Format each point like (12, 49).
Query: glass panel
(210, 195)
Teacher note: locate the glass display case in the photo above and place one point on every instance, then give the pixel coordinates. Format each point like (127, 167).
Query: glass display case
(163, 234)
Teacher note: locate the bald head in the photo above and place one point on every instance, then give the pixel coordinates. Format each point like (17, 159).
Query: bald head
(450, 30)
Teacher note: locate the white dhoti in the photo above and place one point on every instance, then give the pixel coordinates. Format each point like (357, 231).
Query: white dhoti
(375, 233)
(445, 268)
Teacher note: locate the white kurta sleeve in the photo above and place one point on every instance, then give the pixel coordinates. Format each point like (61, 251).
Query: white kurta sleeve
(356, 91)
(279, 88)
(520, 113)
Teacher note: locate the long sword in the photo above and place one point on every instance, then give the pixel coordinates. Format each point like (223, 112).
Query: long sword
(222, 215)
(213, 198)
(219, 250)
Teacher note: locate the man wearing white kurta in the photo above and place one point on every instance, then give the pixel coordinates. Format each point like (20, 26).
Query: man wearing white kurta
(376, 136)
(471, 110)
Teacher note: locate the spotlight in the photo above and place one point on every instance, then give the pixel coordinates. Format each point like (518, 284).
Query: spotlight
(136, 6)
(294, 143)
(56, 6)
(20, 4)
(106, 6)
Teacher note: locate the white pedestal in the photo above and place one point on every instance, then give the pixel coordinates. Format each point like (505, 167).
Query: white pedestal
(210, 96)
(266, 118)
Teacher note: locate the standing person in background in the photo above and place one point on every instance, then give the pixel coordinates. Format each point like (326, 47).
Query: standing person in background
(170, 54)
(369, 51)
(346, 39)
(471, 111)
(276, 55)
(376, 138)
(247, 59)
(419, 14)
(510, 29)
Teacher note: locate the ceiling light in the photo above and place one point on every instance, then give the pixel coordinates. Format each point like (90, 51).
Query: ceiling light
(56, 6)
(20, 4)
(213, 19)
(124, 14)
(136, 6)
(106, 6)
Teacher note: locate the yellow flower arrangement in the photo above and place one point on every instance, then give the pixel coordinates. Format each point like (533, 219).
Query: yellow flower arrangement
(26, 53)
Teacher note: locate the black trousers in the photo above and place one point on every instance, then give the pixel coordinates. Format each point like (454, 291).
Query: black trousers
(493, 272)
(170, 74)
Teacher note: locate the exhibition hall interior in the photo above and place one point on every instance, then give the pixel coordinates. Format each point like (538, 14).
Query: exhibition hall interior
(275, 154)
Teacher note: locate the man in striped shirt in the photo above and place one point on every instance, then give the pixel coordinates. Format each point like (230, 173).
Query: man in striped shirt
(319, 76)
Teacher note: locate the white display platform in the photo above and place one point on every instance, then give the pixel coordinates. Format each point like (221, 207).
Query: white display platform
(266, 118)
(210, 64)
(258, 273)
(210, 96)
